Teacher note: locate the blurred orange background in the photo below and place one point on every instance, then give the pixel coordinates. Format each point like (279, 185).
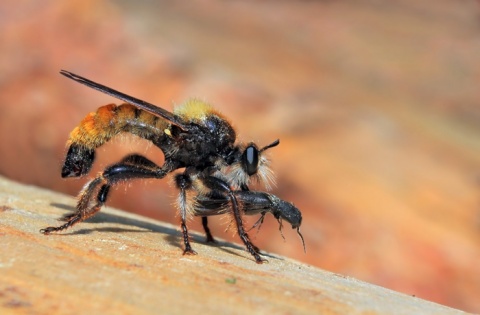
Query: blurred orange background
(376, 105)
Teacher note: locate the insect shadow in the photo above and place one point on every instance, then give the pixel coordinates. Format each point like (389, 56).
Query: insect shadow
(171, 234)
(113, 218)
(225, 246)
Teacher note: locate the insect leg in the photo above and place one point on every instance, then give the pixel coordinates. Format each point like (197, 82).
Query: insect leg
(184, 183)
(259, 222)
(219, 185)
(131, 167)
(83, 210)
(209, 235)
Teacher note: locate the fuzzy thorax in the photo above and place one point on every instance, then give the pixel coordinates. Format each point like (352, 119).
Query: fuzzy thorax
(195, 110)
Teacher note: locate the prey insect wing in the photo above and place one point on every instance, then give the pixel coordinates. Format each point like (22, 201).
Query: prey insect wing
(209, 206)
(148, 107)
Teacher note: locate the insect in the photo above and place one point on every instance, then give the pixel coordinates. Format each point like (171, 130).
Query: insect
(251, 202)
(194, 137)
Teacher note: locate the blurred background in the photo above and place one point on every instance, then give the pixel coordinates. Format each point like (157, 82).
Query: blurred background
(376, 104)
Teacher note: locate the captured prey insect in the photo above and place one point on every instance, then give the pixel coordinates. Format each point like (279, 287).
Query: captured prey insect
(250, 202)
(194, 137)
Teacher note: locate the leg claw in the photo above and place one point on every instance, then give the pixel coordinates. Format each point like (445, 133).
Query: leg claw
(189, 251)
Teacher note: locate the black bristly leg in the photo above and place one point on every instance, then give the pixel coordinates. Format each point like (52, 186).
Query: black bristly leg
(131, 167)
(219, 185)
(209, 235)
(83, 211)
(184, 183)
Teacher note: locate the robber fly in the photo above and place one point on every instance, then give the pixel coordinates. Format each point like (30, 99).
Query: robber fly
(194, 137)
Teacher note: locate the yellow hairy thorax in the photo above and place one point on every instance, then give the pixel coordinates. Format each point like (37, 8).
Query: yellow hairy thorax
(195, 110)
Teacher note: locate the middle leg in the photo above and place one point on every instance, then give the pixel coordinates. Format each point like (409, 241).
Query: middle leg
(184, 184)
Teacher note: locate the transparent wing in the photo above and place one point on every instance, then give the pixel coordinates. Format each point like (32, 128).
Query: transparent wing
(152, 109)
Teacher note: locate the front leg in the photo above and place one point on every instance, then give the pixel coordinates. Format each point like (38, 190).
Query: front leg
(221, 186)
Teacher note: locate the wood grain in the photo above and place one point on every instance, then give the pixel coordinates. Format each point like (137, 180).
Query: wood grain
(119, 263)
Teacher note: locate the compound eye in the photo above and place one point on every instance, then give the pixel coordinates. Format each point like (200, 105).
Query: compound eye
(250, 159)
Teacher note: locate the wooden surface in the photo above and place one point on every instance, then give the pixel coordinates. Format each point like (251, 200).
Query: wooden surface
(121, 263)
(376, 105)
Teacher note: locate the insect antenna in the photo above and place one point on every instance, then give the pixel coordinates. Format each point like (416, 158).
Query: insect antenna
(303, 241)
(271, 145)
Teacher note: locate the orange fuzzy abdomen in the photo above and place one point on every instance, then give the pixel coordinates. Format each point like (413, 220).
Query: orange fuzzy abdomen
(109, 120)
(99, 127)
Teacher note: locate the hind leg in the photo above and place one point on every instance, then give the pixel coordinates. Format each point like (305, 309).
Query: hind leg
(131, 167)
